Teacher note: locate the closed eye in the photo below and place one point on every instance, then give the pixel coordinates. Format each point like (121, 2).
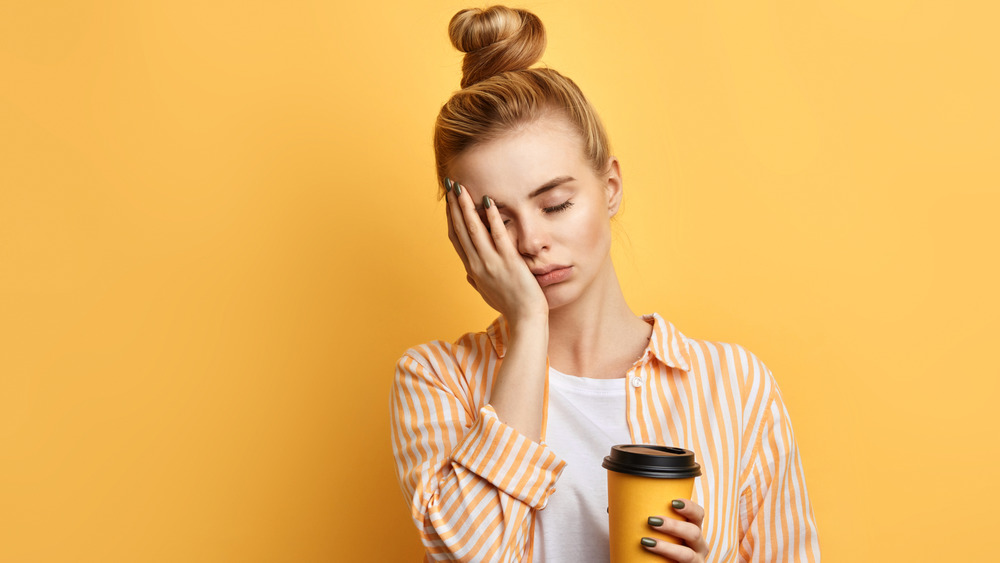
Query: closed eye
(553, 209)
(557, 208)
(489, 229)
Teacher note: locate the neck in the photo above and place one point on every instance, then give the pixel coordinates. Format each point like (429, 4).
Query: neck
(598, 335)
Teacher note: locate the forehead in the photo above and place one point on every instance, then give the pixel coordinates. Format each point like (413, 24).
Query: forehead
(520, 161)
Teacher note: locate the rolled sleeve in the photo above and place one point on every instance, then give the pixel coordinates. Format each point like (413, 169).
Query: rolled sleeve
(520, 467)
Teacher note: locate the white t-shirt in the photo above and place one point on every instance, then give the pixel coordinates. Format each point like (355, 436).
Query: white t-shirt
(585, 418)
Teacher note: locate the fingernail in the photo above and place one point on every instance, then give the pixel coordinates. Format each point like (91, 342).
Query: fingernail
(648, 542)
(486, 201)
(654, 521)
(458, 187)
(447, 184)
(678, 504)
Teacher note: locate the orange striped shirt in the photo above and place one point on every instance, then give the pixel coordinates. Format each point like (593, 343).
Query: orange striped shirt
(473, 483)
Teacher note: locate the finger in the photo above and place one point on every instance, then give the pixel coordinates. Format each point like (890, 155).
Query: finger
(695, 514)
(465, 245)
(447, 208)
(690, 510)
(673, 552)
(683, 530)
(452, 235)
(474, 226)
(501, 239)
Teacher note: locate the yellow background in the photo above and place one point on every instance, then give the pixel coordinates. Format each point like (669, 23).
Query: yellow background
(219, 230)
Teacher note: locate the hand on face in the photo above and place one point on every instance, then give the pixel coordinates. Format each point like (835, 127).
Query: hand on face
(493, 265)
(693, 548)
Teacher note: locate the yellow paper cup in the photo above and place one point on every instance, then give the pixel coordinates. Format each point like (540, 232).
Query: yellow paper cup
(642, 480)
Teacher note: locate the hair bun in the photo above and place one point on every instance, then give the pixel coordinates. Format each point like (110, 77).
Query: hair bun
(496, 39)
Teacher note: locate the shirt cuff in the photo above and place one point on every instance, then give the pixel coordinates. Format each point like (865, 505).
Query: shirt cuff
(514, 464)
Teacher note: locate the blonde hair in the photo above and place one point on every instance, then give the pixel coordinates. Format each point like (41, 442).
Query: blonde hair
(500, 93)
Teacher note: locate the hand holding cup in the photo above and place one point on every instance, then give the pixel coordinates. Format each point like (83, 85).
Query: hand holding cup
(642, 480)
(692, 547)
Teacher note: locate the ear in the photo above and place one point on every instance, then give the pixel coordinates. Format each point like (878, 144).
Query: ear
(613, 186)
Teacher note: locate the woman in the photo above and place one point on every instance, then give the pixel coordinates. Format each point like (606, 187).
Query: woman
(499, 436)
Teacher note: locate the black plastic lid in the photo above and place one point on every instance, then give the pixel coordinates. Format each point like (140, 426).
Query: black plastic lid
(662, 462)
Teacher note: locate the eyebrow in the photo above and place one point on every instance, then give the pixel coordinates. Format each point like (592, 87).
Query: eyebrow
(551, 184)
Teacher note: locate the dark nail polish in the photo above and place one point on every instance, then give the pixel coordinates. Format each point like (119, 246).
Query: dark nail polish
(648, 542)
(655, 521)
(447, 184)
(486, 202)
(678, 504)
(458, 187)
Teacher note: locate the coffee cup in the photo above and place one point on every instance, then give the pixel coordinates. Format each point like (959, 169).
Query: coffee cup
(642, 480)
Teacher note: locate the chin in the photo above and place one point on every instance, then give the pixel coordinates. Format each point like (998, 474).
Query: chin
(557, 296)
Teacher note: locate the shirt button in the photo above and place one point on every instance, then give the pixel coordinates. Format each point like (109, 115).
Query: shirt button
(637, 381)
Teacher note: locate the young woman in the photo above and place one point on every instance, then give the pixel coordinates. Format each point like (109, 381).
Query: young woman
(499, 436)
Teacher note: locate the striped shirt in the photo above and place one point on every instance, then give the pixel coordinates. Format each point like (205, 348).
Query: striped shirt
(473, 484)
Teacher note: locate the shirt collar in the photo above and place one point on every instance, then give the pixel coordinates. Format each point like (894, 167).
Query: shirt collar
(666, 344)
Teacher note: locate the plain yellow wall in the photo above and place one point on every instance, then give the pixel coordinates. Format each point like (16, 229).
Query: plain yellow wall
(219, 230)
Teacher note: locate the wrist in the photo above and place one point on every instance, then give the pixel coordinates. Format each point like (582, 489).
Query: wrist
(530, 322)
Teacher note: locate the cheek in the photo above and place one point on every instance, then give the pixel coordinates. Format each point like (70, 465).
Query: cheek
(597, 229)
(589, 233)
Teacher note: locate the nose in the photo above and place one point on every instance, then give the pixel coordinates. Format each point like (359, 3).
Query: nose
(532, 237)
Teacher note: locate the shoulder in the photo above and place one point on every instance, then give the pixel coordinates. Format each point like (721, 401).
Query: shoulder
(441, 356)
(444, 371)
(717, 363)
(728, 358)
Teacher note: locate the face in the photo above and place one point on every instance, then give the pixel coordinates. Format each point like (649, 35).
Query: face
(556, 208)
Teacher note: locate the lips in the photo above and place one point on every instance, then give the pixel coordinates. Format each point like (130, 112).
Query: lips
(552, 274)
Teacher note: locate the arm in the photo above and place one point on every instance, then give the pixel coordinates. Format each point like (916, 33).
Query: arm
(776, 517)
(497, 271)
(474, 477)
(470, 479)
